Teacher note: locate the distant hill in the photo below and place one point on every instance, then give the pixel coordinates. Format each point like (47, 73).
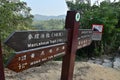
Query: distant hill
(38, 17)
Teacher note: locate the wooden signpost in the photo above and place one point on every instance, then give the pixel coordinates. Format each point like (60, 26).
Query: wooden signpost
(35, 47)
(2, 76)
(72, 42)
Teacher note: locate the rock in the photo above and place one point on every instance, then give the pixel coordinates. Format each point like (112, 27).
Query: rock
(98, 61)
(91, 61)
(107, 60)
(92, 58)
(116, 63)
(107, 64)
(119, 50)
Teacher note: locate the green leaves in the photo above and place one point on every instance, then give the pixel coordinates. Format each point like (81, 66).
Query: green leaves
(51, 24)
(105, 13)
(13, 15)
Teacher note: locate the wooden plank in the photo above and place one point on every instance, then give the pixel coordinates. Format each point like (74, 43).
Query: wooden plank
(84, 42)
(26, 59)
(84, 38)
(24, 40)
(85, 33)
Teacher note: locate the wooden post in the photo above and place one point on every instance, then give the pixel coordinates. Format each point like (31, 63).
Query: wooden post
(72, 24)
(2, 77)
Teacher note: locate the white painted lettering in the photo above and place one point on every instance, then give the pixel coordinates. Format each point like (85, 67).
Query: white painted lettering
(32, 55)
(44, 59)
(30, 37)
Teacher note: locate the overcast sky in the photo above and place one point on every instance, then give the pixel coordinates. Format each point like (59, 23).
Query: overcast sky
(48, 7)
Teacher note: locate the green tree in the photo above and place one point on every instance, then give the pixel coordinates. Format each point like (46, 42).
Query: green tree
(13, 16)
(51, 24)
(106, 13)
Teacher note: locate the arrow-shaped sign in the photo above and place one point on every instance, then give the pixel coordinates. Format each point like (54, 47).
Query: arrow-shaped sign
(24, 40)
(84, 37)
(26, 59)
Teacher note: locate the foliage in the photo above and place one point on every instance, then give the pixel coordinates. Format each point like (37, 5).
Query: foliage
(51, 24)
(106, 13)
(13, 16)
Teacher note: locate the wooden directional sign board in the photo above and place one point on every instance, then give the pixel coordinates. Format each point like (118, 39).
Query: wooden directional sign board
(84, 37)
(36, 47)
(24, 40)
(26, 59)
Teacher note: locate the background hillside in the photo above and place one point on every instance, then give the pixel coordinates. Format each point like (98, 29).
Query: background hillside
(38, 17)
(42, 22)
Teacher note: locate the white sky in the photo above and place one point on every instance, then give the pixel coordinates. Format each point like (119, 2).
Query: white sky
(49, 7)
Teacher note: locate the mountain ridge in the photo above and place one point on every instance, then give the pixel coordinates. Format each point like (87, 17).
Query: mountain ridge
(38, 17)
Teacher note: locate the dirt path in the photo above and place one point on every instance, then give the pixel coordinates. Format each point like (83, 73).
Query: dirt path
(52, 71)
